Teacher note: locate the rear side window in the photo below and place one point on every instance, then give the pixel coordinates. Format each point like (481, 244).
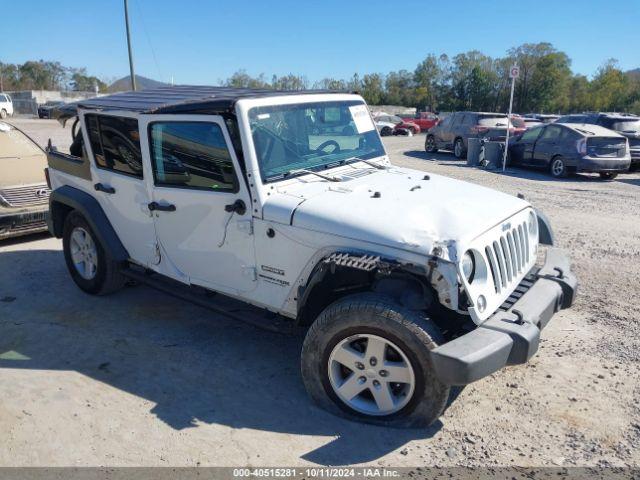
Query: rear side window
(3, 98)
(531, 134)
(552, 132)
(191, 155)
(493, 121)
(115, 142)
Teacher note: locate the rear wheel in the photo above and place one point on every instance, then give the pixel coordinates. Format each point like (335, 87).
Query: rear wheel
(608, 175)
(3, 113)
(430, 144)
(458, 148)
(558, 168)
(88, 263)
(367, 358)
(386, 131)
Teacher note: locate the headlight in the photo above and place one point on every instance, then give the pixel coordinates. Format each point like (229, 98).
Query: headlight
(468, 266)
(533, 225)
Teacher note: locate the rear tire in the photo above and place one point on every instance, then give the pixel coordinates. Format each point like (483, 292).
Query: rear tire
(558, 168)
(608, 175)
(386, 131)
(88, 262)
(351, 325)
(3, 113)
(458, 148)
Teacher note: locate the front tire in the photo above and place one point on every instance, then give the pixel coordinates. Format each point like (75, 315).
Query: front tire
(89, 265)
(367, 358)
(458, 148)
(430, 144)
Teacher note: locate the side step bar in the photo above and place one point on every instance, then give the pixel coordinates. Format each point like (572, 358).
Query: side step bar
(216, 302)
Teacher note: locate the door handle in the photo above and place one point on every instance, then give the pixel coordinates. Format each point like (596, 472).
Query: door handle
(161, 208)
(104, 188)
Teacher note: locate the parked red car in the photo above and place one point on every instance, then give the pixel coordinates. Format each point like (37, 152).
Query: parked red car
(401, 125)
(425, 120)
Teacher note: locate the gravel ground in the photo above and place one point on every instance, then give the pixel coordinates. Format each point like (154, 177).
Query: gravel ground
(138, 378)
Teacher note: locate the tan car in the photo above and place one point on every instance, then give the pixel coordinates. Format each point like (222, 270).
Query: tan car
(24, 195)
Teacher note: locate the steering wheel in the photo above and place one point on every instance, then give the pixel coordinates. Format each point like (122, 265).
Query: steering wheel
(328, 143)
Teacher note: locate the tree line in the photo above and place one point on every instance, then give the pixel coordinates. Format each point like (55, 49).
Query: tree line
(475, 81)
(47, 75)
(467, 81)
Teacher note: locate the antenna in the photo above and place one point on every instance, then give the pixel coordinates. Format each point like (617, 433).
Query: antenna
(126, 20)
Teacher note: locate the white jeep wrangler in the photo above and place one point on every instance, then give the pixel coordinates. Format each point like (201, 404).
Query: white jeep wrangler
(285, 205)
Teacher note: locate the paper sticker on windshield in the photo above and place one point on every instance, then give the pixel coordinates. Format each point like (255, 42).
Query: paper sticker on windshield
(361, 118)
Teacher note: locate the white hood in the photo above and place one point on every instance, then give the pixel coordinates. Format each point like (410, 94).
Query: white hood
(396, 208)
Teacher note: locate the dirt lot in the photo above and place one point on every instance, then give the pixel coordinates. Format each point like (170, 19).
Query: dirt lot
(139, 378)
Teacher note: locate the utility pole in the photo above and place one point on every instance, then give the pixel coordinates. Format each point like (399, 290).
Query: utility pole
(126, 19)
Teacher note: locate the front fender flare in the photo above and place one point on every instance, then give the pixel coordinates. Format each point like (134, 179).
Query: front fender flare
(545, 232)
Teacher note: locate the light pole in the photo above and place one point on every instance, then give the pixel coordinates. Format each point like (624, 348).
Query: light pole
(126, 20)
(514, 72)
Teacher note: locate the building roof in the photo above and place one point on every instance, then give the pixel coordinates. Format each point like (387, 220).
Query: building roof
(183, 99)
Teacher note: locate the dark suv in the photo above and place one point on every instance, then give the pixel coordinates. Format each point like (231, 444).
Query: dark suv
(453, 131)
(622, 123)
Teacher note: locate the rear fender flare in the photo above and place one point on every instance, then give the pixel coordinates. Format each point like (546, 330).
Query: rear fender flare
(65, 199)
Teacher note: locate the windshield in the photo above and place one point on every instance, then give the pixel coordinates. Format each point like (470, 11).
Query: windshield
(312, 136)
(623, 125)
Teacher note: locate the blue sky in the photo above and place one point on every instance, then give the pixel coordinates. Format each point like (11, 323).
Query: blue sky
(204, 41)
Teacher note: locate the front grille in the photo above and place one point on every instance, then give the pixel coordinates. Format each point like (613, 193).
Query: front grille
(508, 256)
(523, 287)
(25, 195)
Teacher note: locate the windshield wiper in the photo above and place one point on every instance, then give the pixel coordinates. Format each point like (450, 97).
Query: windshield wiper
(368, 162)
(304, 170)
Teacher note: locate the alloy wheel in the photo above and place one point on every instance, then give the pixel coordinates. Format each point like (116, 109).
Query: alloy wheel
(371, 375)
(457, 149)
(84, 253)
(557, 167)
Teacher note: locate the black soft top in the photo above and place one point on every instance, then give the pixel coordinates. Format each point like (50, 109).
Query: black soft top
(196, 99)
(184, 99)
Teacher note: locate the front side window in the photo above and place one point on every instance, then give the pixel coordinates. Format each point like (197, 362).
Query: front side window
(115, 142)
(317, 135)
(191, 155)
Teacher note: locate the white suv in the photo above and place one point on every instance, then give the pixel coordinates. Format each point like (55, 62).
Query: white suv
(6, 105)
(285, 204)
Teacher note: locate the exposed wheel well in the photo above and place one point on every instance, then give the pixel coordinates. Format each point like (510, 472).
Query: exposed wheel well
(331, 281)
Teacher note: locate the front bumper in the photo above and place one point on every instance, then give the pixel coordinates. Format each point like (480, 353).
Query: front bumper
(25, 222)
(511, 335)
